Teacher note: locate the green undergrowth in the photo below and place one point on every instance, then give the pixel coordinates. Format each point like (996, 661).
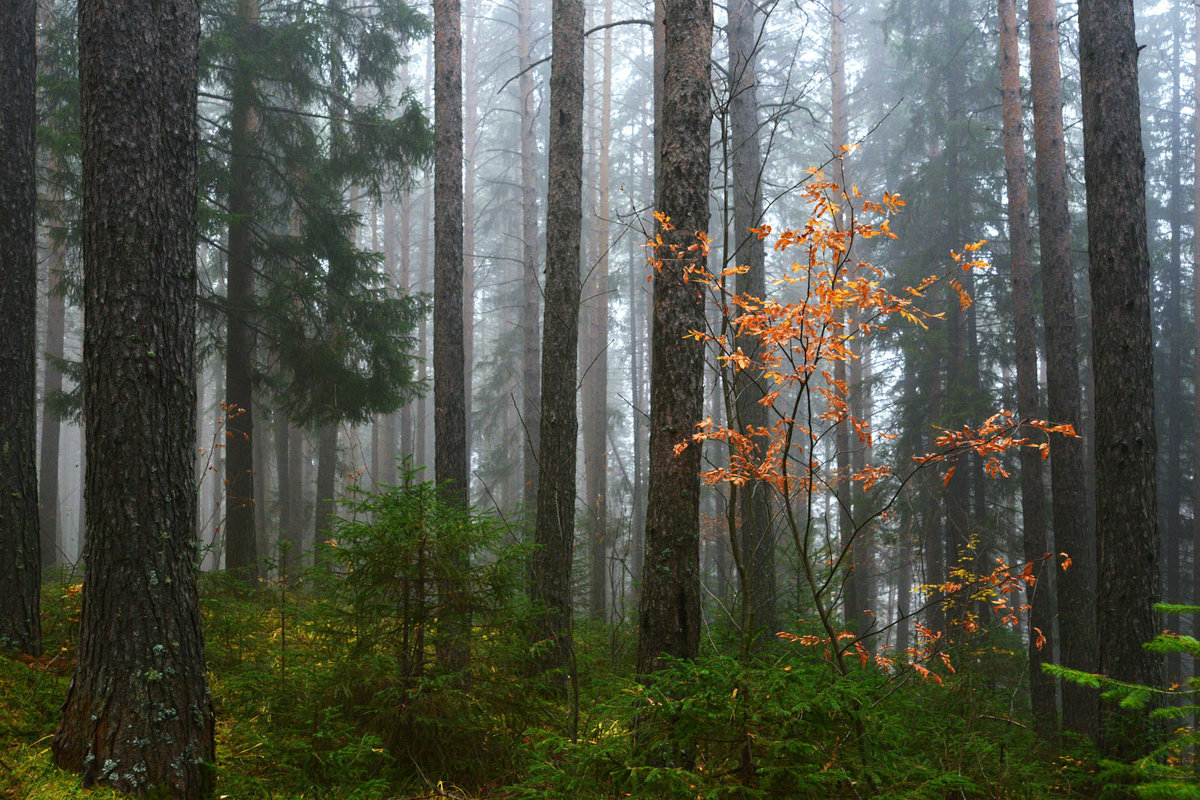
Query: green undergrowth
(349, 684)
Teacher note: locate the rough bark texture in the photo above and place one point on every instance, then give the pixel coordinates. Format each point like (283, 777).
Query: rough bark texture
(595, 361)
(450, 448)
(756, 541)
(670, 600)
(1126, 515)
(449, 415)
(138, 714)
(554, 535)
(1033, 496)
(20, 547)
(1072, 534)
(241, 552)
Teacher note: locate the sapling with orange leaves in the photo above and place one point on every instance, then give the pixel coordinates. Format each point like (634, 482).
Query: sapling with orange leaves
(823, 301)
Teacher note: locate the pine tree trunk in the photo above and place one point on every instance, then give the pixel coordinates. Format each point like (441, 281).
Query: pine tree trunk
(1175, 467)
(1195, 598)
(138, 715)
(51, 425)
(554, 535)
(669, 623)
(241, 553)
(450, 424)
(531, 290)
(325, 504)
(1072, 535)
(470, 142)
(595, 363)
(20, 545)
(756, 538)
(1126, 514)
(1033, 499)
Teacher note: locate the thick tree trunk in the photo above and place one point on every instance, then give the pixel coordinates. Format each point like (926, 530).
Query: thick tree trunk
(554, 535)
(241, 552)
(1072, 534)
(449, 417)
(670, 598)
(595, 363)
(450, 455)
(138, 715)
(1033, 497)
(1126, 515)
(756, 540)
(20, 545)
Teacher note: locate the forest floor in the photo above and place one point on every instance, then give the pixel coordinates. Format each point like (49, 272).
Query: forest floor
(300, 718)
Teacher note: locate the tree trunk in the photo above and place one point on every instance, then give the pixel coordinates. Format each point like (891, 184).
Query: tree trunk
(325, 503)
(241, 553)
(1072, 535)
(1195, 599)
(20, 545)
(138, 715)
(289, 546)
(531, 290)
(852, 602)
(756, 540)
(450, 425)
(448, 367)
(554, 535)
(470, 142)
(1126, 515)
(1020, 239)
(51, 425)
(670, 599)
(595, 364)
(1171, 519)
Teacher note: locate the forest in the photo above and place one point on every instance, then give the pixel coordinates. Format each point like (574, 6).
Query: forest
(524, 399)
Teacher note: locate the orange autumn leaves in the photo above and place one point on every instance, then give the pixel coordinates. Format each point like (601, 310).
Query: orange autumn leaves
(824, 302)
(817, 314)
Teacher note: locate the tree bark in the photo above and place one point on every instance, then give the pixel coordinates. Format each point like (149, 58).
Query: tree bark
(1033, 499)
(450, 454)
(241, 553)
(20, 545)
(138, 715)
(449, 418)
(595, 363)
(554, 535)
(756, 541)
(1126, 514)
(1072, 534)
(669, 623)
